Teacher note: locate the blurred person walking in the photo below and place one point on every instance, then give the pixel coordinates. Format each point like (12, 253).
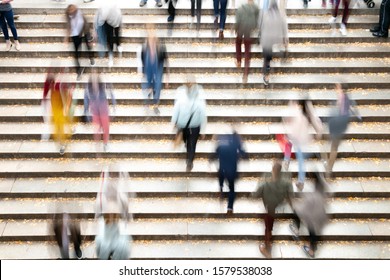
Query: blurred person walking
(109, 18)
(273, 31)
(95, 101)
(339, 121)
(189, 116)
(60, 101)
(7, 19)
(382, 28)
(154, 57)
(229, 151)
(247, 17)
(344, 20)
(273, 192)
(297, 126)
(198, 4)
(310, 210)
(112, 212)
(78, 29)
(220, 14)
(62, 224)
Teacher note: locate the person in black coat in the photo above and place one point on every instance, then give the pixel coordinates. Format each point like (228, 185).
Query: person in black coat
(229, 151)
(382, 28)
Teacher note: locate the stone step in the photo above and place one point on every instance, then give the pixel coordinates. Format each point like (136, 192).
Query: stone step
(192, 207)
(161, 187)
(208, 65)
(214, 97)
(221, 81)
(165, 131)
(70, 167)
(213, 50)
(185, 21)
(215, 113)
(208, 249)
(204, 229)
(186, 36)
(164, 149)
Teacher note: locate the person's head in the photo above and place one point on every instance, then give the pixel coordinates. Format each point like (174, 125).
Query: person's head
(190, 80)
(71, 10)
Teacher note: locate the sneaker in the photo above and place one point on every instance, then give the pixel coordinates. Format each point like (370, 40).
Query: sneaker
(142, 3)
(158, 3)
(8, 45)
(238, 63)
(343, 29)
(105, 147)
(120, 49)
(308, 251)
(294, 230)
(189, 167)
(265, 80)
(16, 17)
(17, 45)
(156, 110)
(332, 20)
(229, 211)
(79, 254)
(62, 150)
(170, 18)
(110, 60)
(265, 252)
(244, 79)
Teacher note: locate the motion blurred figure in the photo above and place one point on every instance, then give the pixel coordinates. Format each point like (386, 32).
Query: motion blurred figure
(310, 210)
(273, 192)
(154, 57)
(78, 29)
(339, 121)
(297, 126)
(108, 21)
(273, 31)
(189, 115)
(112, 212)
(247, 17)
(95, 101)
(220, 14)
(344, 20)
(60, 101)
(62, 224)
(229, 151)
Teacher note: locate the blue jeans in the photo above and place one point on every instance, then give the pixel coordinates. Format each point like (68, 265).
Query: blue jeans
(301, 164)
(154, 81)
(220, 10)
(9, 16)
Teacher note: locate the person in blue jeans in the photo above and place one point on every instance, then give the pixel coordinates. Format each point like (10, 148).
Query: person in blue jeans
(153, 57)
(7, 17)
(220, 12)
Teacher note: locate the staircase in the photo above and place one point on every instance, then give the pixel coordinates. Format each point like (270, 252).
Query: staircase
(178, 215)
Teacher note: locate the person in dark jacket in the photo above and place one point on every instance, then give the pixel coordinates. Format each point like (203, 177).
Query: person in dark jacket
(273, 192)
(61, 225)
(154, 57)
(228, 152)
(382, 28)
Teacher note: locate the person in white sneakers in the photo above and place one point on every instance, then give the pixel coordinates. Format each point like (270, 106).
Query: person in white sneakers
(7, 17)
(344, 20)
(143, 3)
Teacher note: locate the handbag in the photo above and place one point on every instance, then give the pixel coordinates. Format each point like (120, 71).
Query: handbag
(179, 134)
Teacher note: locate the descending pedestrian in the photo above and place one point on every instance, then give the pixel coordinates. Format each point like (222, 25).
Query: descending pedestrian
(273, 31)
(62, 224)
(247, 17)
(339, 121)
(344, 20)
(273, 192)
(310, 209)
(229, 150)
(109, 19)
(7, 20)
(78, 29)
(189, 117)
(382, 28)
(154, 57)
(198, 4)
(220, 16)
(96, 102)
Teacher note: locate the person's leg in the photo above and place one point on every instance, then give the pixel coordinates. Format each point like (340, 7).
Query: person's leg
(335, 10)
(247, 44)
(97, 122)
(384, 24)
(110, 37)
(193, 8)
(313, 238)
(77, 42)
(75, 236)
(333, 153)
(192, 141)
(117, 38)
(171, 12)
(221, 179)
(269, 223)
(198, 13)
(232, 194)
(223, 15)
(9, 16)
(344, 20)
(158, 84)
(301, 164)
(4, 28)
(105, 122)
(238, 50)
